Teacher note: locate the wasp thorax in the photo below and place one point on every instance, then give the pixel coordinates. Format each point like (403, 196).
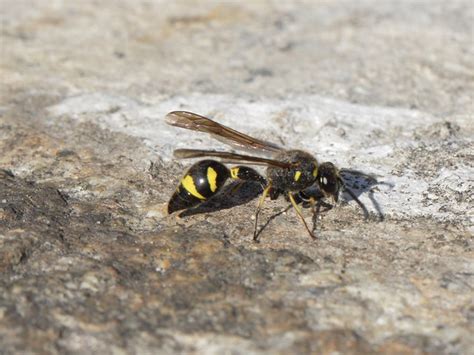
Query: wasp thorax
(300, 175)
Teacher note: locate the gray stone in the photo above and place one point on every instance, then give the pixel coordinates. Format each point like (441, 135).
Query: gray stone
(91, 262)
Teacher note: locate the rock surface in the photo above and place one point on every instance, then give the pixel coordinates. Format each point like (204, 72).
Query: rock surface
(89, 260)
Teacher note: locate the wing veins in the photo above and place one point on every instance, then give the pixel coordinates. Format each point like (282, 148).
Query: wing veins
(195, 122)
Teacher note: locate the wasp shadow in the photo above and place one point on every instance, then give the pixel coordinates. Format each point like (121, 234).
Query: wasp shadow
(359, 183)
(234, 194)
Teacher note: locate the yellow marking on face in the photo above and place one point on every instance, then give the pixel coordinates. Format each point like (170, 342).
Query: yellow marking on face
(315, 172)
(297, 175)
(189, 186)
(212, 178)
(234, 173)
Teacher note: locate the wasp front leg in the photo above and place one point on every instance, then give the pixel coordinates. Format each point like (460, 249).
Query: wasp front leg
(312, 198)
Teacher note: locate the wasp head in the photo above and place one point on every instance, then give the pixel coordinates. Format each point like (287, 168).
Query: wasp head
(329, 180)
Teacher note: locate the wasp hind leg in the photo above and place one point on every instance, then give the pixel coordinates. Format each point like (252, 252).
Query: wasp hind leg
(259, 207)
(316, 205)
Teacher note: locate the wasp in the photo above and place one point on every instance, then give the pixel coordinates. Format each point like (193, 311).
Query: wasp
(291, 173)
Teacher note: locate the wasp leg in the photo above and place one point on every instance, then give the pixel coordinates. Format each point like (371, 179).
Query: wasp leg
(260, 203)
(315, 209)
(300, 214)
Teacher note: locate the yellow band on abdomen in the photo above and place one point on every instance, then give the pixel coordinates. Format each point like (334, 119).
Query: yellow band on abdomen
(212, 179)
(189, 186)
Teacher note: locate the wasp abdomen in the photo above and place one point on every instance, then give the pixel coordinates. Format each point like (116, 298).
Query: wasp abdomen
(245, 173)
(201, 181)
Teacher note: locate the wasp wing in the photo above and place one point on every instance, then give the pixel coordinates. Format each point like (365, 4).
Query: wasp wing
(229, 157)
(195, 122)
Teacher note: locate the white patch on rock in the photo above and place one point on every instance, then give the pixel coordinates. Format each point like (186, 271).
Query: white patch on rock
(352, 136)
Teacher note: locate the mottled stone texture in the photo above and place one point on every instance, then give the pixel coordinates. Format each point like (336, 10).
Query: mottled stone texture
(91, 263)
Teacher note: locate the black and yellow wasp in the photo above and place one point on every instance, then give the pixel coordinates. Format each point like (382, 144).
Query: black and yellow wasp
(292, 173)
